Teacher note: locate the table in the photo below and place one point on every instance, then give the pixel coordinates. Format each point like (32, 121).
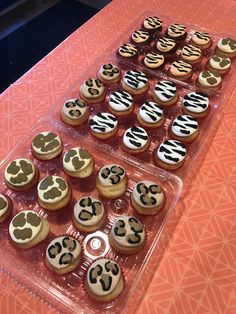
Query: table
(197, 271)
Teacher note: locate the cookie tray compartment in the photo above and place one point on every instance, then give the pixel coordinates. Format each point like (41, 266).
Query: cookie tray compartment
(28, 266)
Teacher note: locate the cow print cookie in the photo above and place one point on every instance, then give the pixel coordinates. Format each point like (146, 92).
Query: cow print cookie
(104, 280)
(210, 79)
(135, 82)
(177, 31)
(135, 140)
(128, 51)
(46, 145)
(181, 70)
(152, 23)
(74, 112)
(5, 207)
(92, 90)
(165, 93)
(103, 125)
(88, 214)
(109, 73)
(63, 254)
(185, 128)
(150, 115)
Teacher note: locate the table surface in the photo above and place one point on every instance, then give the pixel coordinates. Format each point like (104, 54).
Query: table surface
(197, 271)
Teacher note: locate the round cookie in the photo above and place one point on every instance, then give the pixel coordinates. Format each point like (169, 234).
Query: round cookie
(5, 207)
(165, 93)
(103, 125)
(111, 181)
(152, 24)
(27, 229)
(54, 193)
(135, 140)
(201, 40)
(92, 91)
(196, 104)
(147, 197)
(210, 79)
(74, 112)
(127, 235)
(153, 60)
(78, 162)
(226, 47)
(184, 128)
(46, 146)
(150, 115)
(21, 174)
(176, 31)
(140, 37)
(135, 82)
(220, 64)
(120, 103)
(89, 214)
(170, 155)
(128, 51)
(166, 45)
(191, 54)
(104, 280)
(109, 73)
(63, 255)
(180, 70)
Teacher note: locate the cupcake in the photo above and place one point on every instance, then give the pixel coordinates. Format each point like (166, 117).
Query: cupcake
(74, 112)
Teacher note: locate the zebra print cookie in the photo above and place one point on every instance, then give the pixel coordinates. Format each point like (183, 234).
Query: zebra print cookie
(184, 128)
(165, 93)
(196, 104)
(152, 23)
(170, 154)
(140, 37)
(103, 125)
(153, 60)
(150, 115)
(135, 82)
(191, 53)
(120, 102)
(92, 90)
(135, 140)
(181, 70)
(201, 39)
(166, 45)
(128, 51)
(177, 31)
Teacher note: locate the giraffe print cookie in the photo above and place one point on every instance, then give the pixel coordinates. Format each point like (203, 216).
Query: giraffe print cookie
(21, 174)
(210, 79)
(147, 197)
(46, 146)
(109, 73)
(54, 193)
(89, 214)
(104, 281)
(92, 91)
(74, 112)
(5, 207)
(27, 229)
(63, 254)
(127, 235)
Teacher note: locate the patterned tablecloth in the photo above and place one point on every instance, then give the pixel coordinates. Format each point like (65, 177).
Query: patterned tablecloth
(197, 271)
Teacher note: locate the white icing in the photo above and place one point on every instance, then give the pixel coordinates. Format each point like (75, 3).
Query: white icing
(115, 175)
(184, 125)
(122, 239)
(109, 72)
(196, 102)
(135, 79)
(128, 50)
(103, 122)
(171, 152)
(75, 251)
(227, 48)
(156, 195)
(151, 112)
(43, 193)
(203, 80)
(68, 159)
(165, 44)
(153, 60)
(90, 86)
(16, 232)
(176, 30)
(89, 204)
(46, 139)
(29, 177)
(152, 22)
(135, 138)
(4, 205)
(74, 108)
(140, 36)
(96, 287)
(120, 101)
(165, 90)
(201, 38)
(216, 63)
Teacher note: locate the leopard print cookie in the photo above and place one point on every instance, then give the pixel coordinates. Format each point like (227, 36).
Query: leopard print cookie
(46, 145)
(92, 90)
(210, 79)
(111, 174)
(109, 73)
(74, 112)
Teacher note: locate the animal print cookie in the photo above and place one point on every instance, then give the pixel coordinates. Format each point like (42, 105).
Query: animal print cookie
(220, 64)
(128, 51)
(63, 254)
(92, 91)
(135, 140)
(166, 45)
(120, 103)
(152, 23)
(74, 112)
(150, 115)
(135, 82)
(181, 70)
(109, 73)
(202, 40)
(195, 103)
(104, 280)
(21, 174)
(226, 46)
(177, 31)
(184, 128)
(103, 125)
(46, 145)
(5, 207)
(210, 79)
(140, 37)
(191, 54)
(153, 60)
(165, 93)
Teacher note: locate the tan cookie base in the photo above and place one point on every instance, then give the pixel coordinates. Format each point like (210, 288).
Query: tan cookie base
(84, 228)
(27, 186)
(149, 125)
(48, 156)
(225, 54)
(187, 139)
(120, 113)
(57, 205)
(113, 191)
(93, 100)
(222, 72)
(123, 249)
(136, 151)
(146, 211)
(104, 136)
(164, 165)
(86, 172)
(134, 91)
(65, 270)
(195, 114)
(202, 47)
(103, 80)
(183, 77)
(74, 122)
(165, 103)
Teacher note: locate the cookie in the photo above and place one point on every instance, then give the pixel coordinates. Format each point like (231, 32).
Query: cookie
(201, 40)
(46, 146)
(152, 24)
(103, 125)
(78, 162)
(104, 280)
(74, 112)
(147, 197)
(135, 82)
(191, 54)
(21, 174)
(120, 103)
(27, 229)
(165, 93)
(176, 31)
(135, 140)
(180, 70)
(166, 45)
(153, 60)
(141, 37)
(92, 91)
(111, 181)
(196, 104)
(63, 255)
(170, 155)
(54, 193)
(210, 79)
(184, 128)
(5, 207)
(89, 214)
(109, 73)
(220, 64)
(127, 235)
(150, 115)
(128, 51)
(226, 47)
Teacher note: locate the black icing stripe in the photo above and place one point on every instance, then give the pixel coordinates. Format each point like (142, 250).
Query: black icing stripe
(153, 58)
